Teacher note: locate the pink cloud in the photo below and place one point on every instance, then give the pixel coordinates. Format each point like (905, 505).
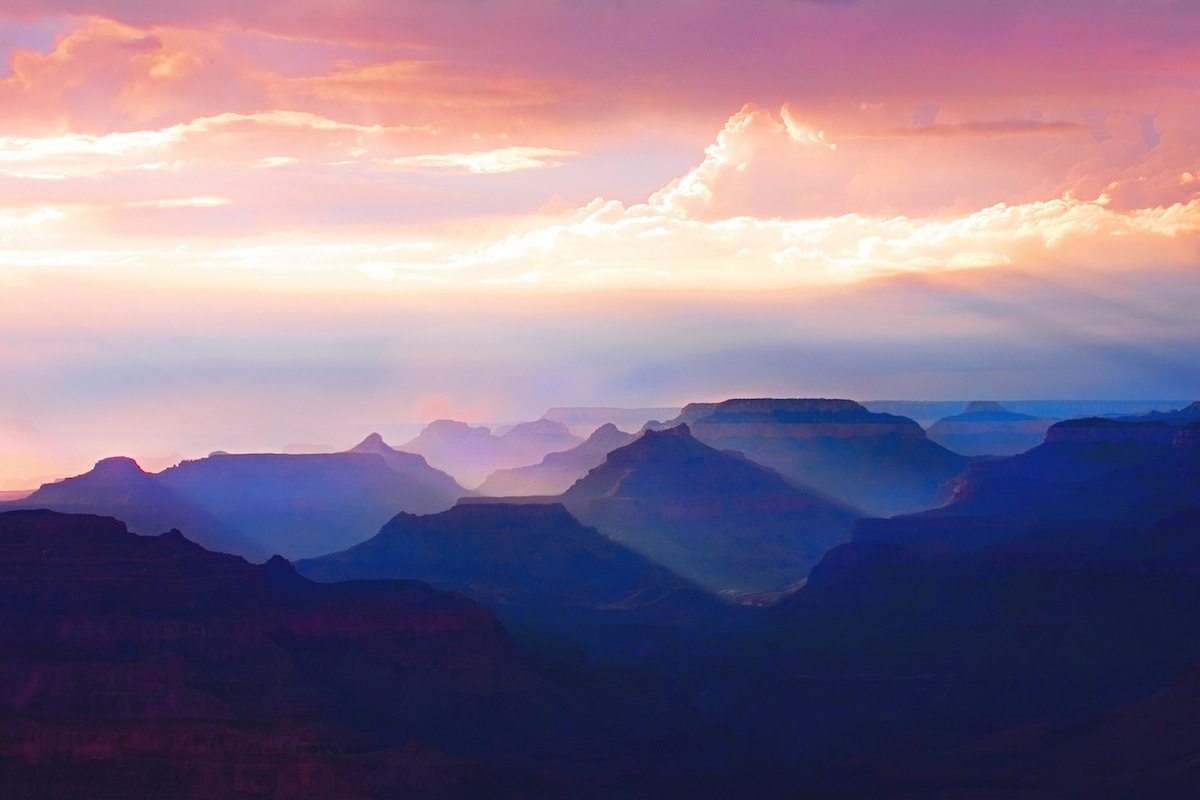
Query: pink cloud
(709, 56)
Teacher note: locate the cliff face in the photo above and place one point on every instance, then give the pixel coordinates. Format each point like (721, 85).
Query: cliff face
(717, 518)
(881, 463)
(148, 667)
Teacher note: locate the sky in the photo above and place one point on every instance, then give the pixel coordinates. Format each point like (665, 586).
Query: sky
(242, 225)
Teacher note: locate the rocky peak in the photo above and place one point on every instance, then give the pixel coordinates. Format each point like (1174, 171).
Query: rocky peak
(117, 467)
(539, 427)
(977, 406)
(680, 431)
(372, 444)
(452, 427)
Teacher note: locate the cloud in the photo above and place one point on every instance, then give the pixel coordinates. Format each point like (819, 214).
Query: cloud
(231, 137)
(772, 204)
(182, 202)
(490, 162)
(756, 166)
(1010, 127)
(609, 244)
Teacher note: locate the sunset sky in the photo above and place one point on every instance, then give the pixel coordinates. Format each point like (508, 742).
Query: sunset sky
(242, 224)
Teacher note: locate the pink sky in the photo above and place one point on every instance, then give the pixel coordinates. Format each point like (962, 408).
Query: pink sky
(239, 224)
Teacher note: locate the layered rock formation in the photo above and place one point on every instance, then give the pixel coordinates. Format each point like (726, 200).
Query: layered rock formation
(713, 517)
(557, 471)
(988, 428)
(881, 463)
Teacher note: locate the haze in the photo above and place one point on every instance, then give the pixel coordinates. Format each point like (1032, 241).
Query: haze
(241, 225)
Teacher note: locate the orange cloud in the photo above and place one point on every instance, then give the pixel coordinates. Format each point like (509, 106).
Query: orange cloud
(102, 76)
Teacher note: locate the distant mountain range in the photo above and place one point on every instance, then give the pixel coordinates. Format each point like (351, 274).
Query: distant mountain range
(583, 420)
(988, 428)
(470, 454)
(257, 505)
(557, 471)
(929, 411)
(1027, 630)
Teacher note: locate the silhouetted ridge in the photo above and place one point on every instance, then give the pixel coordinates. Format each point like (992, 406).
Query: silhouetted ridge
(143, 667)
(373, 442)
(117, 467)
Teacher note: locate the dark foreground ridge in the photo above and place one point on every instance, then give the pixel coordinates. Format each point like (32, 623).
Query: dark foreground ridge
(147, 667)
